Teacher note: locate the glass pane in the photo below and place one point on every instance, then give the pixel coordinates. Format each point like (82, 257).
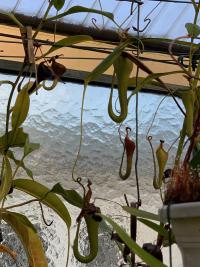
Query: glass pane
(54, 122)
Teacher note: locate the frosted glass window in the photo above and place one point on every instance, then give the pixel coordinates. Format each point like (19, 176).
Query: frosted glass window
(54, 122)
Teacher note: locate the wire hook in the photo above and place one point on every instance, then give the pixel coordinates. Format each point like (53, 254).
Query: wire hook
(146, 19)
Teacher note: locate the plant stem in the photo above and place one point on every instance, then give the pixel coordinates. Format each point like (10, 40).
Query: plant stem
(42, 20)
(21, 204)
(9, 102)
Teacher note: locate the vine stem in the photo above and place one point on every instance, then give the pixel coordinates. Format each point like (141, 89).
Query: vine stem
(21, 204)
(43, 20)
(10, 99)
(81, 135)
(136, 112)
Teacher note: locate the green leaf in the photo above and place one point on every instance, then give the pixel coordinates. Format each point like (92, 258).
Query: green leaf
(21, 108)
(151, 77)
(193, 29)
(107, 62)
(40, 191)
(58, 4)
(195, 162)
(15, 138)
(141, 213)
(30, 147)
(28, 236)
(79, 9)
(134, 247)
(156, 227)
(67, 42)
(28, 171)
(10, 154)
(71, 196)
(6, 181)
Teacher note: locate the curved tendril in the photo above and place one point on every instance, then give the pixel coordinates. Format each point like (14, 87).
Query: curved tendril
(43, 217)
(78, 180)
(152, 122)
(81, 136)
(49, 88)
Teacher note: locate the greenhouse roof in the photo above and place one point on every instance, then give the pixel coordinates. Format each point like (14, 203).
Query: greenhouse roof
(163, 19)
(159, 18)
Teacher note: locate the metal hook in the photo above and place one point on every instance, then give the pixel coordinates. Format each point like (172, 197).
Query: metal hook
(94, 23)
(146, 19)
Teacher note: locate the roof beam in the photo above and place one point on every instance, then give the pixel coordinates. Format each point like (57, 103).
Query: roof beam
(104, 35)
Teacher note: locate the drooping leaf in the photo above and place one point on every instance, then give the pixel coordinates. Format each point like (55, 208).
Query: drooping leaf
(193, 29)
(30, 147)
(70, 196)
(28, 236)
(15, 138)
(40, 192)
(134, 247)
(152, 77)
(6, 181)
(107, 62)
(79, 9)
(21, 108)
(58, 4)
(158, 228)
(67, 42)
(141, 213)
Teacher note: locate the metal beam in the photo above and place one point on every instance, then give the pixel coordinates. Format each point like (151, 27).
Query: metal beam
(63, 28)
(75, 76)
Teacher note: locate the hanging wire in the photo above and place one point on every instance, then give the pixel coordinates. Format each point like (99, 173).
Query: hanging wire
(170, 236)
(102, 14)
(55, 28)
(136, 112)
(147, 19)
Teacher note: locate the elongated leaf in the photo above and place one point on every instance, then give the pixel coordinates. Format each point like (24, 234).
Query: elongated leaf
(6, 181)
(15, 138)
(58, 4)
(28, 236)
(40, 191)
(158, 228)
(134, 247)
(70, 196)
(79, 9)
(21, 108)
(107, 62)
(151, 77)
(67, 42)
(30, 147)
(141, 213)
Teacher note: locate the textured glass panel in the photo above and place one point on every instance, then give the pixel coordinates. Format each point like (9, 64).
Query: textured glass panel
(54, 121)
